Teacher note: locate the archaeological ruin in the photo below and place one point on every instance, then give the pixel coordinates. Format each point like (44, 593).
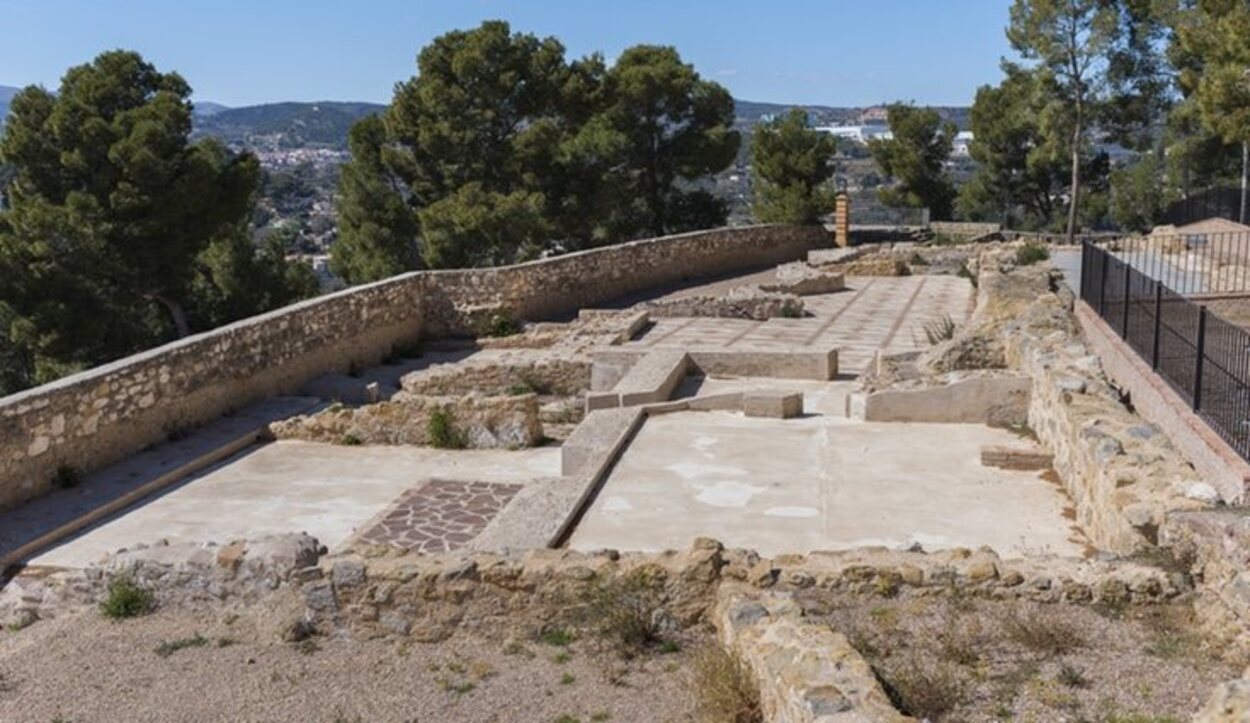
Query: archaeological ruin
(974, 477)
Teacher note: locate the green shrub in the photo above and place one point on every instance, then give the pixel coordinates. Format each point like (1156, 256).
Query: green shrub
(500, 325)
(1031, 253)
(170, 647)
(126, 599)
(792, 310)
(351, 440)
(442, 430)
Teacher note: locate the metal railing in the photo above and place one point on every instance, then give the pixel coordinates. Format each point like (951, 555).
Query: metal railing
(1203, 357)
(1193, 264)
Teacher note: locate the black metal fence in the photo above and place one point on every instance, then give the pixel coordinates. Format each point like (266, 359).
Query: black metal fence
(1220, 202)
(1204, 358)
(1200, 263)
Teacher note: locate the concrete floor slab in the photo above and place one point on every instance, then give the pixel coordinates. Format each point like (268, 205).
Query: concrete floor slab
(325, 490)
(821, 483)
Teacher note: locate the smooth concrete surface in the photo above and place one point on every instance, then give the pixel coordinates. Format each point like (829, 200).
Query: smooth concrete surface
(887, 313)
(821, 482)
(325, 490)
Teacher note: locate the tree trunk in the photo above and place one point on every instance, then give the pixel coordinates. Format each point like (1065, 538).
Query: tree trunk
(176, 314)
(1074, 193)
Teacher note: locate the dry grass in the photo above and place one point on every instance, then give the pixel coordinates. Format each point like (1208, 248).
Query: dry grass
(978, 660)
(627, 613)
(724, 687)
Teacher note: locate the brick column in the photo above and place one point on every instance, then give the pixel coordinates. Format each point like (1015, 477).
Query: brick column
(842, 220)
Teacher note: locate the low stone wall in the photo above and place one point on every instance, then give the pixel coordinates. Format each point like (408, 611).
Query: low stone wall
(806, 673)
(1215, 546)
(563, 284)
(378, 590)
(999, 399)
(474, 422)
(964, 231)
(95, 418)
(90, 420)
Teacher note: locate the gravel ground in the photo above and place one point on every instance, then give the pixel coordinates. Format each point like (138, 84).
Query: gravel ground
(977, 660)
(86, 668)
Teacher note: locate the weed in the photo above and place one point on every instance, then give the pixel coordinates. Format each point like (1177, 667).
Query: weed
(557, 637)
(600, 716)
(1172, 645)
(1041, 631)
(670, 646)
(226, 642)
(568, 679)
(126, 599)
(519, 390)
(351, 440)
(792, 310)
(67, 476)
(725, 689)
(1072, 676)
(924, 689)
(561, 658)
(1139, 718)
(459, 688)
(500, 325)
(566, 718)
(170, 647)
(307, 646)
(960, 640)
(1031, 253)
(625, 610)
(442, 430)
(940, 330)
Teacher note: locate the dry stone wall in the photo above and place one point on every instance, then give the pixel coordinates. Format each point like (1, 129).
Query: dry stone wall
(89, 420)
(98, 417)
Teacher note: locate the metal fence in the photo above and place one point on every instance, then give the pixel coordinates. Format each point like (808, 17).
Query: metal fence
(1220, 202)
(1193, 264)
(1204, 358)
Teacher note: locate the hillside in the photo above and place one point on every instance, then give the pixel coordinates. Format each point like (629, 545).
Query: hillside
(749, 111)
(6, 94)
(283, 125)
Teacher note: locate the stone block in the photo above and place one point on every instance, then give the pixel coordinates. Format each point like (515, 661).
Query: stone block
(776, 405)
(1016, 458)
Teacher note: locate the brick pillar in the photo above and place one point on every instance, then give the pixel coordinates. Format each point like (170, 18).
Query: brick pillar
(842, 220)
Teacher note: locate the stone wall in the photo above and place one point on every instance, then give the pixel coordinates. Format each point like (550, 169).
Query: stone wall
(561, 285)
(964, 230)
(95, 418)
(90, 420)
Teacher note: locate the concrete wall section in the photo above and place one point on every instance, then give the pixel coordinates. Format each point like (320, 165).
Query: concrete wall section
(1217, 463)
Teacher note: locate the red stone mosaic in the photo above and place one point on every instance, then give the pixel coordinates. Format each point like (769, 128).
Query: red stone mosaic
(440, 515)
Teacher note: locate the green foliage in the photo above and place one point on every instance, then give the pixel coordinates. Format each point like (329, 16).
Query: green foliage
(1069, 41)
(1212, 37)
(792, 165)
(725, 687)
(377, 229)
(126, 599)
(914, 157)
(1031, 253)
(351, 440)
(169, 647)
(499, 326)
(442, 430)
(499, 150)
(1138, 194)
(110, 211)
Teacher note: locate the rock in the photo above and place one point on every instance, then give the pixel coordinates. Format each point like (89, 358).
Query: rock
(1229, 703)
(319, 596)
(802, 280)
(348, 573)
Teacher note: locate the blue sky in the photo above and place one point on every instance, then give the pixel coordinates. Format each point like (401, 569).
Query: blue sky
(834, 52)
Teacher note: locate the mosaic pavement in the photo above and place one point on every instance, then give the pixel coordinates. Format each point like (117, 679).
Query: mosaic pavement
(439, 515)
(887, 313)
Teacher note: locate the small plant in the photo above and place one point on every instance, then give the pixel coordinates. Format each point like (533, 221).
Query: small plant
(561, 657)
(669, 647)
(442, 431)
(600, 716)
(568, 679)
(170, 647)
(557, 637)
(923, 689)
(500, 325)
(792, 310)
(307, 646)
(626, 612)
(1031, 253)
(1072, 676)
(126, 599)
(940, 330)
(725, 689)
(351, 440)
(1042, 632)
(519, 390)
(566, 718)
(67, 476)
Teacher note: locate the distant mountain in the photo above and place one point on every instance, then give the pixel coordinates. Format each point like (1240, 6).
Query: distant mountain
(749, 111)
(206, 108)
(283, 125)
